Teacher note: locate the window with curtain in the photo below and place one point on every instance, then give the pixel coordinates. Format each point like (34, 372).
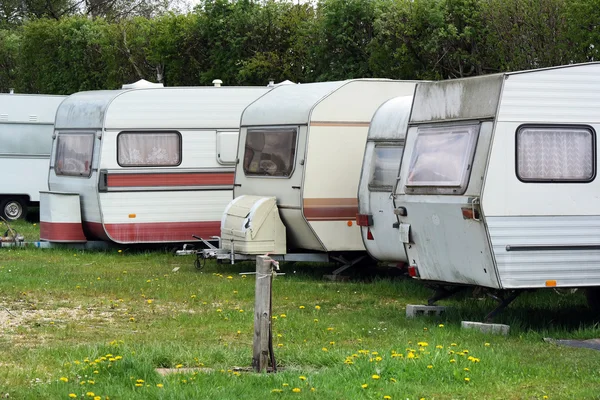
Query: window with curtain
(556, 154)
(74, 154)
(149, 149)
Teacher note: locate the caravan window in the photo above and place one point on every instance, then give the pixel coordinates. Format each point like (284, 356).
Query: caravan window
(555, 154)
(442, 156)
(270, 152)
(385, 166)
(74, 154)
(149, 149)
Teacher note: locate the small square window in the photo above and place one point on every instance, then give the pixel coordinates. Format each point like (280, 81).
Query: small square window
(74, 154)
(442, 157)
(270, 152)
(149, 149)
(385, 166)
(555, 154)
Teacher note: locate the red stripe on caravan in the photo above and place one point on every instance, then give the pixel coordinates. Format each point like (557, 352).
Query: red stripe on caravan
(333, 209)
(160, 232)
(170, 179)
(65, 232)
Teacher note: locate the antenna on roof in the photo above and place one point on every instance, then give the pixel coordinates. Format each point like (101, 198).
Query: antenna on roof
(217, 82)
(271, 82)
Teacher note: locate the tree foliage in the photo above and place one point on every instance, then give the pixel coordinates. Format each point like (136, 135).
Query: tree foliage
(64, 46)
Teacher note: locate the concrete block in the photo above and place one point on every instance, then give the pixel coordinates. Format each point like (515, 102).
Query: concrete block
(413, 310)
(486, 328)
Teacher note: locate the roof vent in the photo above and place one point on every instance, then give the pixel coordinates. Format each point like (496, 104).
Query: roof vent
(12, 90)
(142, 83)
(217, 82)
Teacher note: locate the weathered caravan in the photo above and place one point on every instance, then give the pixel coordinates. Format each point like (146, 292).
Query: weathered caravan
(498, 185)
(148, 165)
(381, 163)
(26, 126)
(300, 152)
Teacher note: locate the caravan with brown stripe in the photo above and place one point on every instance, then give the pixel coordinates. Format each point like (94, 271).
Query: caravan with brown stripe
(143, 165)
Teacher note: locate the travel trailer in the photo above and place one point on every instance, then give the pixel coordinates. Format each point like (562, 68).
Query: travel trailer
(26, 126)
(144, 165)
(498, 185)
(299, 161)
(381, 163)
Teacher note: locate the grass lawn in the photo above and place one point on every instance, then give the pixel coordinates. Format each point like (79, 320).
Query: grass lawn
(97, 325)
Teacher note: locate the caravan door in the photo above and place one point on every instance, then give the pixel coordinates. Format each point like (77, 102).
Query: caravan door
(438, 200)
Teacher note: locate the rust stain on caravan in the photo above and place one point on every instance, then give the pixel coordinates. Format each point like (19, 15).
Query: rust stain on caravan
(340, 123)
(170, 179)
(330, 209)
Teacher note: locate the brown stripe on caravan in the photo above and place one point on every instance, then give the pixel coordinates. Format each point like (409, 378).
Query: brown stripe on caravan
(330, 209)
(64, 232)
(340, 123)
(170, 179)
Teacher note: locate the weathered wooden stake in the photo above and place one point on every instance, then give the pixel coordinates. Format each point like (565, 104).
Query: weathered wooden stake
(262, 313)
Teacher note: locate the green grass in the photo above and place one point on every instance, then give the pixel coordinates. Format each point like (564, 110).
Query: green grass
(66, 314)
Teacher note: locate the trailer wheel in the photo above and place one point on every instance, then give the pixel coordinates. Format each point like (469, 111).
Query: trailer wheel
(593, 298)
(13, 208)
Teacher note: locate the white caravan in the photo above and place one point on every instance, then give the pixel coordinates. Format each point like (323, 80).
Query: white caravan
(148, 165)
(381, 163)
(300, 150)
(498, 185)
(26, 126)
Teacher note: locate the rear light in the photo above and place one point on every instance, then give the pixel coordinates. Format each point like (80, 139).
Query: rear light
(413, 271)
(370, 234)
(364, 220)
(470, 213)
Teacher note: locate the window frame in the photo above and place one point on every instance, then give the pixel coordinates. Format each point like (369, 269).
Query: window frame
(150, 132)
(385, 143)
(60, 134)
(296, 128)
(467, 169)
(558, 126)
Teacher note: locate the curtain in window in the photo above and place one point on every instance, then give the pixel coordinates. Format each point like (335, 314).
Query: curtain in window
(74, 154)
(557, 154)
(148, 149)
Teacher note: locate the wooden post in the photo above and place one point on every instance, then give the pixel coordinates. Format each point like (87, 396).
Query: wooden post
(262, 313)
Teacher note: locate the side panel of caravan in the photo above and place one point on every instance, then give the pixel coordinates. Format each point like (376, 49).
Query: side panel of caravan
(541, 194)
(26, 127)
(338, 134)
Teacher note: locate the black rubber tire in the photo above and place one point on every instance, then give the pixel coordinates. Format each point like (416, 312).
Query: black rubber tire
(593, 298)
(13, 208)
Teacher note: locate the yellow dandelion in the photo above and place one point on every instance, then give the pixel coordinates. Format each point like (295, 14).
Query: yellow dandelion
(453, 344)
(430, 366)
(64, 379)
(235, 292)
(230, 277)
(544, 397)
(286, 385)
(410, 355)
(375, 377)
(387, 397)
(160, 385)
(453, 360)
(274, 390)
(140, 381)
(330, 329)
(302, 378)
(364, 386)
(241, 310)
(72, 395)
(296, 390)
(96, 372)
(315, 320)
(439, 346)
(440, 325)
(425, 329)
(90, 394)
(324, 349)
(219, 310)
(302, 307)
(486, 344)
(193, 296)
(467, 379)
(423, 344)
(149, 301)
(312, 389)
(392, 380)
(244, 276)
(317, 307)
(139, 384)
(118, 358)
(283, 316)
(148, 281)
(179, 366)
(97, 398)
(279, 344)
